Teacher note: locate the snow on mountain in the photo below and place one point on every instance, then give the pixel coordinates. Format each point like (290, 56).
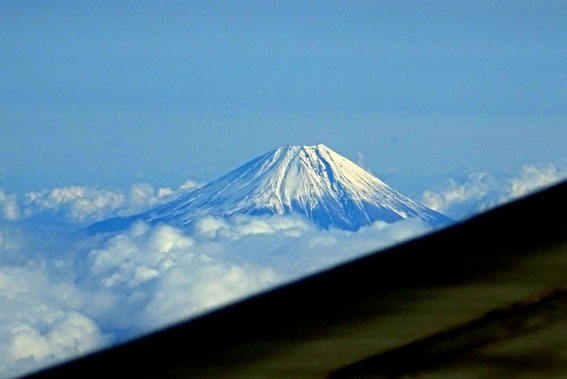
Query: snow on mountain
(312, 181)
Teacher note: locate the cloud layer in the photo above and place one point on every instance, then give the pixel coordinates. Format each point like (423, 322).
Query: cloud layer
(40, 318)
(81, 205)
(62, 295)
(481, 191)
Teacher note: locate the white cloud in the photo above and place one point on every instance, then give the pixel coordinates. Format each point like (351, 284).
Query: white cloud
(360, 158)
(193, 285)
(9, 206)
(294, 247)
(179, 276)
(189, 185)
(101, 289)
(40, 320)
(78, 203)
(481, 191)
(71, 333)
(238, 226)
(532, 178)
(83, 205)
(161, 274)
(477, 192)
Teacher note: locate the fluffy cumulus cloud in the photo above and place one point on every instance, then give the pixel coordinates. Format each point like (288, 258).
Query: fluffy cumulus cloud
(160, 274)
(458, 199)
(78, 203)
(40, 318)
(9, 208)
(481, 191)
(532, 178)
(102, 289)
(240, 226)
(81, 204)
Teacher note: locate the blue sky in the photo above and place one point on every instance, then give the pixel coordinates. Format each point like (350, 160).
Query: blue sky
(109, 93)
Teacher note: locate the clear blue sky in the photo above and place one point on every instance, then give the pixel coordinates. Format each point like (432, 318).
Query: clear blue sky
(110, 93)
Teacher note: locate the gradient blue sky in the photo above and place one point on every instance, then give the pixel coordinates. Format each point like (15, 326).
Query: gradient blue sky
(109, 93)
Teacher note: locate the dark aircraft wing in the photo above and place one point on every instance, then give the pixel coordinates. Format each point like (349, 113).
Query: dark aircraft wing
(484, 298)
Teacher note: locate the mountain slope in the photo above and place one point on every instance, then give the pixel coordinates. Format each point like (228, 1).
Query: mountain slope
(312, 181)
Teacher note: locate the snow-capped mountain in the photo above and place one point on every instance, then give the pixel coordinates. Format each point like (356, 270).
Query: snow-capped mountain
(312, 181)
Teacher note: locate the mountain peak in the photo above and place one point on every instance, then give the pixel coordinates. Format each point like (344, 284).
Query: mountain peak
(304, 147)
(313, 181)
(307, 149)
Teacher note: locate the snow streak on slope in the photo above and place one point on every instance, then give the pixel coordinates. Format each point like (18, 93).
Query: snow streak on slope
(313, 181)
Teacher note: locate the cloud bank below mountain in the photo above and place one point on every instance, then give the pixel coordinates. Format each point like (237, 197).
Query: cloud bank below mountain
(62, 299)
(62, 296)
